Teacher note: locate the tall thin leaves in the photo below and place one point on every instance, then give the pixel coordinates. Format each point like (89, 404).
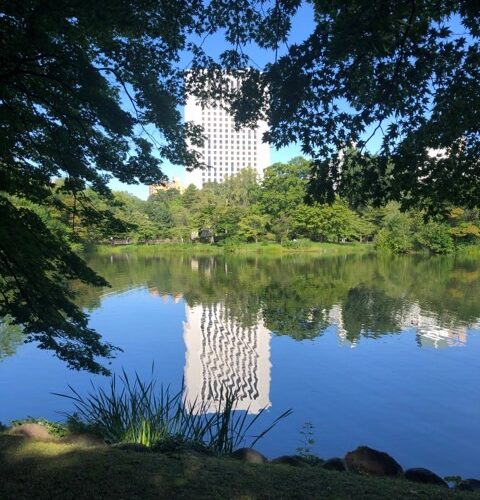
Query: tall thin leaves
(132, 410)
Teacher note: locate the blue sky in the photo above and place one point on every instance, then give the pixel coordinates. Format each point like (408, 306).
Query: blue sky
(302, 26)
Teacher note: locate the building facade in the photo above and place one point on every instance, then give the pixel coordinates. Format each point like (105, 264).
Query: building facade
(226, 151)
(175, 184)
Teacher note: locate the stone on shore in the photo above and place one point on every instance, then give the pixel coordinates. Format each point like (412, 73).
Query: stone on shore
(421, 475)
(469, 485)
(365, 460)
(334, 464)
(31, 430)
(249, 455)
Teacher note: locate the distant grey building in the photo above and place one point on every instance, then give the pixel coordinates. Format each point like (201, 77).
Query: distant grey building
(226, 151)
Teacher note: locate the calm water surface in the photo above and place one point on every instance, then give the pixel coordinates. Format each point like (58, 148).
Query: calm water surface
(377, 351)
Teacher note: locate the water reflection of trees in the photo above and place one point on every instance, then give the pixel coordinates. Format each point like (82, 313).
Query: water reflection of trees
(11, 337)
(296, 294)
(368, 310)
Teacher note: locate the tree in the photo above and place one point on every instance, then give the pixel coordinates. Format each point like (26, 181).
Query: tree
(400, 75)
(11, 336)
(159, 210)
(464, 225)
(284, 187)
(436, 237)
(397, 234)
(306, 221)
(252, 226)
(332, 223)
(190, 196)
(242, 189)
(338, 222)
(132, 212)
(81, 85)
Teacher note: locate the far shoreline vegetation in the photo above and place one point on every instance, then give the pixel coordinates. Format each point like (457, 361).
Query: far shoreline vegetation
(263, 248)
(238, 248)
(244, 215)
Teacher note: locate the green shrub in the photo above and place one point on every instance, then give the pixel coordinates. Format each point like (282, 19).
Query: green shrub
(297, 243)
(436, 238)
(396, 236)
(393, 241)
(453, 480)
(134, 411)
(230, 245)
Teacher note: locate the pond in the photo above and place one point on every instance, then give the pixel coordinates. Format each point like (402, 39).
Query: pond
(381, 351)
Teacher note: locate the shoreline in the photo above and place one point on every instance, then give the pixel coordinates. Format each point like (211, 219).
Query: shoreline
(291, 248)
(240, 249)
(89, 469)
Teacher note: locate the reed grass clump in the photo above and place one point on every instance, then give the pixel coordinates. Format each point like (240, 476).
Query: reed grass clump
(132, 410)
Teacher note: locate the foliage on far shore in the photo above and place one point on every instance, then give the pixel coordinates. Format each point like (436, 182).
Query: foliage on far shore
(272, 213)
(237, 248)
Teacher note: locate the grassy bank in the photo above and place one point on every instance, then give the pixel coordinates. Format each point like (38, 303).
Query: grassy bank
(291, 247)
(241, 248)
(41, 470)
(469, 250)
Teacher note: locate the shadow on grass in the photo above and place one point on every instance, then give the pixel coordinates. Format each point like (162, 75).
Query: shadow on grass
(40, 470)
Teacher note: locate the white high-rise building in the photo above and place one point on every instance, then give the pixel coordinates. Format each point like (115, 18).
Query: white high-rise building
(226, 150)
(222, 355)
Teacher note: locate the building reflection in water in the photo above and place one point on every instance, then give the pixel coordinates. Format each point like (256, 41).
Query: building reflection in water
(430, 330)
(221, 353)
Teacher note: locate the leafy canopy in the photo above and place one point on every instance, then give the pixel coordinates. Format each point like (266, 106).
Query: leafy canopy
(82, 85)
(400, 78)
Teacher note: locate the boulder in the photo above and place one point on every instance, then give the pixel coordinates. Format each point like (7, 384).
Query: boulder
(469, 485)
(249, 455)
(365, 460)
(294, 460)
(421, 475)
(83, 439)
(31, 430)
(334, 464)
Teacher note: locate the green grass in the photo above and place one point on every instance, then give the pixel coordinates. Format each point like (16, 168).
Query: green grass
(240, 248)
(302, 247)
(32, 469)
(159, 248)
(468, 250)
